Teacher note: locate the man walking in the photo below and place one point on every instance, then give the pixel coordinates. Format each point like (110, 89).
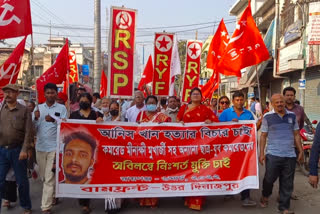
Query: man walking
(281, 128)
(289, 94)
(235, 113)
(15, 137)
(46, 128)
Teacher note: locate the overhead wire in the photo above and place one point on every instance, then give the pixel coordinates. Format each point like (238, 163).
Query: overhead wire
(86, 27)
(43, 8)
(178, 32)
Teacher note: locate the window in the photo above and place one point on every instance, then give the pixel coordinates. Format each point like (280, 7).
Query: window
(38, 70)
(290, 13)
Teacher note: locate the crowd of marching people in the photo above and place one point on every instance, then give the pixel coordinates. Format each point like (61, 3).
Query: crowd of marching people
(28, 134)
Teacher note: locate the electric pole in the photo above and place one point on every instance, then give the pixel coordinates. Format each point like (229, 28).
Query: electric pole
(97, 46)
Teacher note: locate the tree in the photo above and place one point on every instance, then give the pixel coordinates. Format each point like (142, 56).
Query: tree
(182, 54)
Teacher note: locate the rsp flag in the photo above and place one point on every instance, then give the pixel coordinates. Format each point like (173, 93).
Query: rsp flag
(192, 68)
(163, 44)
(129, 160)
(121, 52)
(15, 18)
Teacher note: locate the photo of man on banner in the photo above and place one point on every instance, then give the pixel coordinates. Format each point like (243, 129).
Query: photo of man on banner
(78, 157)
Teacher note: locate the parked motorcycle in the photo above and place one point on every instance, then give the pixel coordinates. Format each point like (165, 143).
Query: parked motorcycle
(307, 136)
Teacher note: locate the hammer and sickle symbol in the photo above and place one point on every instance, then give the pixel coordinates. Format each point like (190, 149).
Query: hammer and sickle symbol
(7, 7)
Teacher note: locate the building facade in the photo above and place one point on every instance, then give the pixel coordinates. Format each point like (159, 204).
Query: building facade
(292, 59)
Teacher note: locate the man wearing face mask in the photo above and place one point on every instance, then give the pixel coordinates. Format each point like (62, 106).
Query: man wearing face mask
(132, 112)
(104, 108)
(172, 109)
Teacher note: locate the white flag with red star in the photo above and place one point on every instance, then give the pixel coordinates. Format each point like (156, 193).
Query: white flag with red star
(175, 65)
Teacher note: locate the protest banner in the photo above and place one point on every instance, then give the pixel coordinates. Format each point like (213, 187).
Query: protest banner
(163, 44)
(73, 71)
(129, 160)
(192, 69)
(121, 52)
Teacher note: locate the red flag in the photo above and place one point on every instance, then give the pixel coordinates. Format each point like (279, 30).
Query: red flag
(147, 74)
(218, 44)
(15, 18)
(65, 85)
(56, 73)
(211, 86)
(103, 85)
(9, 70)
(245, 48)
(217, 47)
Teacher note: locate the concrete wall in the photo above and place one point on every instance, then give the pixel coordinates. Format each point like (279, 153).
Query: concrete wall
(312, 92)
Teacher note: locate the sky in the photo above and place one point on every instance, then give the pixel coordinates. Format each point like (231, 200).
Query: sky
(159, 15)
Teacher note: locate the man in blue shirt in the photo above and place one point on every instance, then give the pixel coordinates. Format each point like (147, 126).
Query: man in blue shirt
(281, 128)
(235, 113)
(46, 127)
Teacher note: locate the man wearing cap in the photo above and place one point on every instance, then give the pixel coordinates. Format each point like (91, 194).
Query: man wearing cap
(15, 137)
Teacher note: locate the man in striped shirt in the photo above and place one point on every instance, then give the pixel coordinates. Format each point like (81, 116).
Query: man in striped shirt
(281, 128)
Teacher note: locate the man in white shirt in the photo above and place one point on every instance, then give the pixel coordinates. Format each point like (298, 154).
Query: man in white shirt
(132, 112)
(46, 127)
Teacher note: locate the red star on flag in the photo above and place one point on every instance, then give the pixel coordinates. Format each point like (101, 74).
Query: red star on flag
(163, 43)
(194, 50)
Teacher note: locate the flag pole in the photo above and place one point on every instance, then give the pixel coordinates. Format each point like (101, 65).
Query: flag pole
(33, 68)
(68, 82)
(68, 92)
(120, 115)
(258, 82)
(219, 91)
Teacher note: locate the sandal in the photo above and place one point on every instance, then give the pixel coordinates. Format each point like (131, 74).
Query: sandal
(6, 204)
(46, 211)
(27, 212)
(286, 211)
(263, 202)
(55, 201)
(86, 210)
(294, 197)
